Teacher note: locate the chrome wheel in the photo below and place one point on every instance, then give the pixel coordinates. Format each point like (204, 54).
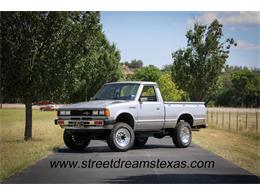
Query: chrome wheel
(185, 135)
(122, 137)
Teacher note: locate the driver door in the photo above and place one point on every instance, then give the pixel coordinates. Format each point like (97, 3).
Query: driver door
(150, 113)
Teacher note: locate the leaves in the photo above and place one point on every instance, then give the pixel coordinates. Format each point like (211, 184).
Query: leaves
(147, 73)
(168, 89)
(55, 55)
(197, 67)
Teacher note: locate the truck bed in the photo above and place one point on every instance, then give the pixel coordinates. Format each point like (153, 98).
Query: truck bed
(173, 110)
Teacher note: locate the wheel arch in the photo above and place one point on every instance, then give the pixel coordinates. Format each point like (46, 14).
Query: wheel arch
(186, 117)
(127, 118)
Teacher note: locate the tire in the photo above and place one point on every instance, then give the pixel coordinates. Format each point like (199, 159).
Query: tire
(121, 137)
(73, 142)
(140, 141)
(182, 135)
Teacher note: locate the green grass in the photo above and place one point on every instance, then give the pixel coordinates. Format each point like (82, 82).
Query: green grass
(240, 148)
(17, 154)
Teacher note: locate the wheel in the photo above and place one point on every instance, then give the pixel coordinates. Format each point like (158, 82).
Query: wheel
(182, 135)
(140, 141)
(74, 142)
(121, 137)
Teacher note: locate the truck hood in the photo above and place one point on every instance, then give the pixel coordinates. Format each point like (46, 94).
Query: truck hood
(96, 104)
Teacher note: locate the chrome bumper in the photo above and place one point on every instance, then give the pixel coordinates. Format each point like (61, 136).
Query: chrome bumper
(93, 124)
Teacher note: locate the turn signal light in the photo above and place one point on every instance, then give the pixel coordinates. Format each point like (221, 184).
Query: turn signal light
(98, 122)
(106, 112)
(61, 122)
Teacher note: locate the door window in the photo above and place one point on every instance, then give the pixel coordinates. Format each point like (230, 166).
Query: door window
(148, 94)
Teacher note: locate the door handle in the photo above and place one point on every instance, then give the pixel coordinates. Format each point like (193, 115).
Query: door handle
(158, 109)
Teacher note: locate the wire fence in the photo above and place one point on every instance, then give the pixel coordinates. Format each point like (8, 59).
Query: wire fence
(234, 119)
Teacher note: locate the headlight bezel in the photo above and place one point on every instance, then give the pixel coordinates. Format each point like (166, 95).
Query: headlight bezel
(64, 113)
(101, 112)
(98, 112)
(95, 112)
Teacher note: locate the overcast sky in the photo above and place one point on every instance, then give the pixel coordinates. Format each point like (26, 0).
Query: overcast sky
(153, 36)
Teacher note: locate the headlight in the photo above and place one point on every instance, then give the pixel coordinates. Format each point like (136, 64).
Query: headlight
(101, 112)
(104, 112)
(95, 112)
(64, 113)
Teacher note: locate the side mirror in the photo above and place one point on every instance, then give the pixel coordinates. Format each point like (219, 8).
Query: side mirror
(92, 98)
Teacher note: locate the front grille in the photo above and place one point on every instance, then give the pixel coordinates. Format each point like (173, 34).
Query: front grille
(81, 112)
(81, 118)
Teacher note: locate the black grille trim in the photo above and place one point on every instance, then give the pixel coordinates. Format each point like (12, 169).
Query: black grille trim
(81, 113)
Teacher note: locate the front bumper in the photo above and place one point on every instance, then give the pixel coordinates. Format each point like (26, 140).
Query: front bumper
(85, 124)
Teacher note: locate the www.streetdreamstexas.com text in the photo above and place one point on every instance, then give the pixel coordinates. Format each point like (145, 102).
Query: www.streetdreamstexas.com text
(134, 164)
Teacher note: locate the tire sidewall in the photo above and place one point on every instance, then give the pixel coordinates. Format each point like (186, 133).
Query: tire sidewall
(141, 142)
(114, 144)
(179, 128)
(70, 143)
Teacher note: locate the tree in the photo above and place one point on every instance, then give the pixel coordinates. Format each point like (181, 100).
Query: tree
(147, 73)
(43, 53)
(196, 69)
(241, 88)
(134, 64)
(168, 89)
(99, 67)
(167, 68)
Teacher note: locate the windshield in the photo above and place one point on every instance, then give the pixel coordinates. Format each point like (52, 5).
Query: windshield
(122, 91)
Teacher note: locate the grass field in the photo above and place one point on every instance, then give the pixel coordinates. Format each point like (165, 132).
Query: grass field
(243, 149)
(15, 154)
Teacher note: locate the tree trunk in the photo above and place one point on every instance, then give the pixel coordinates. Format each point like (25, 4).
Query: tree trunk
(28, 119)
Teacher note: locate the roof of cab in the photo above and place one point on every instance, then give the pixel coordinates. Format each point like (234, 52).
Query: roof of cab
(135, 82)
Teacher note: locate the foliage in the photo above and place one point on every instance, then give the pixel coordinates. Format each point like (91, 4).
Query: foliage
(168, 89)
(240, 88)
(100, 67)
(167, 68)
(134, 64)
(147, 73)
(196, 68)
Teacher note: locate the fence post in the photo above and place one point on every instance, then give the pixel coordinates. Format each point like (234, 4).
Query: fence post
(229, 118)
(217, 119)
(256, 127)
(223, 120)
(246, 120)
(237, 121)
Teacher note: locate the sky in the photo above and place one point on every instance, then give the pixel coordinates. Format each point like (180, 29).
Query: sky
(153, 36)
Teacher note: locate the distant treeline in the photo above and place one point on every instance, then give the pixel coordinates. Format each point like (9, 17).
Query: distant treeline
(235, 86)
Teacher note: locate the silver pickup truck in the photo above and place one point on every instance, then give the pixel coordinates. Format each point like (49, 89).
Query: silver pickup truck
(125, 114)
